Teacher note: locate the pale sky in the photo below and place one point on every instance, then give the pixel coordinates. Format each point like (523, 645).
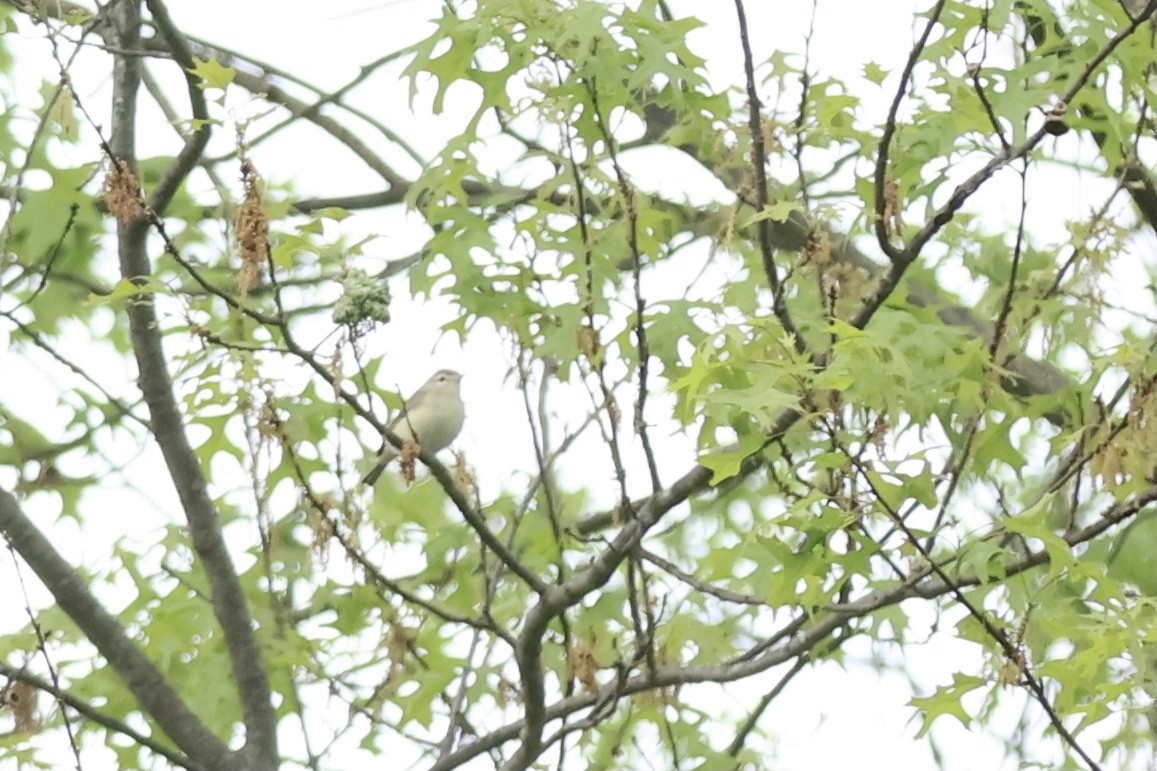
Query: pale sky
(829, 717)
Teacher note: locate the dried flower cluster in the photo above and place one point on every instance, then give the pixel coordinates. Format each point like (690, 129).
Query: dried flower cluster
(252, 229)
(122, 193)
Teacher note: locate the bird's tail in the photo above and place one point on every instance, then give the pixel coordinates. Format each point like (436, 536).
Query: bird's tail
(372, 476)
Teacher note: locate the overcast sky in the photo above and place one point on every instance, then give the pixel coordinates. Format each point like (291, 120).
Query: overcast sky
(832, 717)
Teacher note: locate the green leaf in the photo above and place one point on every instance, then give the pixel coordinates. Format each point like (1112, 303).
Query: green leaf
(947, 701)
(776, 212)
(128, 290)
(875, 73)
(725, 465)
(212, 73)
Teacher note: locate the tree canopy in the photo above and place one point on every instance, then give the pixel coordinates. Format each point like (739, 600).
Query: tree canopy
(888, 385)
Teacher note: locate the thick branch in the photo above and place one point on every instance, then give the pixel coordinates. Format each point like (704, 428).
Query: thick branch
(199, 137)
(143, 680)
(558, 598)
(794, 645)
(229, 603)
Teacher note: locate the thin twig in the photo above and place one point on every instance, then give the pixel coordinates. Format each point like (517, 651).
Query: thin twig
(795, 643)
(627, 191)
(890, 126)
(759, 170)
(89, 712)
(42, 645)
(1011, 651)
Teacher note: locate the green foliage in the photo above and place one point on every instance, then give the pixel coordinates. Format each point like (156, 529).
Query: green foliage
(212, 74)
(865, 424)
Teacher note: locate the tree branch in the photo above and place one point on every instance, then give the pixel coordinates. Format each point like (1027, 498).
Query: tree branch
(759, 168)
(90, 712)
(229, 603)
(143, 680)
(799, 642)
(881, 177)
(202, 127)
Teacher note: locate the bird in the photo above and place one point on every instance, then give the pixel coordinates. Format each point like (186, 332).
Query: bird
(431, 418)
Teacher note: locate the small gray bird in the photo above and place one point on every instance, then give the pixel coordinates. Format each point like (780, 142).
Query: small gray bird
(431, 418)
